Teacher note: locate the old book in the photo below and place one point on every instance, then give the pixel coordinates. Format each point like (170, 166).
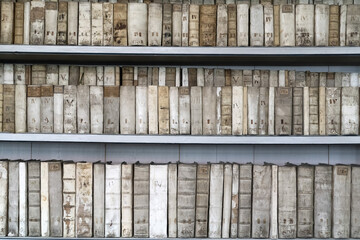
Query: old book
(283, 113)
(341, 201)
(153, 110)
(297, 111)
(158, 201)
(321, 25)
(108, 21)
(248, 78)
(64, 74)
(19, 74)
(7, 22)
(314, 110)
(253, 95)
(127, 76)
(276, 25)
(20, 108)
(47, 109)
(45, 201)
(231, 33)
(176, 24)
(207, 25)
(256, 25)
(87, 76)
(304, 25)
(120, 24)
(62, 23)
(333, 105)
(113, 200)
(256, 78)
(51, 17)
(13, 200)
(55, 199)
(4, 182)
(127, 200)
(137, 24)
(222, 25)
(96, 109)
(23, 200)
(216, 200)
(155, 24)
(287, 201)
(242, 25)
(70, 103)
(218, 111)
(342, 30)
(58, 109)
(1, 106)
(196, 98)
(172, 200)
(84, 199)
(141, 200)
(186, 194)
(349, 110)
(355, 196)
(26, 23)
(37, 22)
(111, 109)
(69, 195)
(72, 30)
(202, 200)
(209, 77)
(170, 77)
(141, 110)
(84, 30)
(237, 110)
(109, 76)
(245, 111)
(287, 25)
(33, 109)
(38, 74)
(261, 200)
(219, 77)
(97, 23)
(234, 201)
(99, 200)
(8, 74)
(164, 111)
(274, 202)
(83, 108)
(352, 26)
(174, 110)
(52, 74)
(237, 77)
(127, 109)
(226, 110)
(323, 201)
(209, 110)
(268, 25)
(18, 23)
(192, 76)
(184, 110)
(226, 211)
(263, 108)
(334, 25)
(167, 25)
(74, 75)
(245, 193)
(8, 108)
(194, 17)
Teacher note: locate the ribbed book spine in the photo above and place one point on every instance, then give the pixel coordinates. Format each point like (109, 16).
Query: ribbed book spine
(141, 200)
(9, 108)
(62, 23)
(19, 23)
(207, 25)
(34, 199)
(202, 200)
(69, 199)
(127, 200)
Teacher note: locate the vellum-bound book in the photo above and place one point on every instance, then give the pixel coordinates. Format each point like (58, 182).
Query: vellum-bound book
(141, 110)
(111, 109)
(127, 200)
(4, 191)
(355, 202)
(137, 24)
(202, 200)
(108, 18)
(13, 200)
(52, 75)
(343, 27)
(19, 23)
(7, 22)
(226, 110)
(297, 111)
(283, 107)
(69, 199)
(222, 26)
(261, 199)
(172, 199)
(23, 203)
(333, 111)
(164, 111)
(83, 108)
(44, 202)
(185, 25)
(209, 110)
(196, 98)
(226, 212)
(153, 110)
(216, 200)
(127, 109)
(287, 25)
(242, 25)
(9, 108)
(194, 18)
(184, 110)
(19, 74)
(113, 200)
(99, 200)
(97, 23)
(231, 12)
(256, 25)
(33, 108)
(341, 201)
(55, 199)
(155, 24)
(141, 200)
(263, 110)
(37, 22)
(63, 75)
(323, 201)
(352, 25)
(269, 25)
(62, 24)
(237, 110)
(287, 201)
(120, 24)
(207, 25)
(350, 111)
(234, 201)
(174, 110)
(334, 25)
(176, 24)
(84, 23)
(72, 31)
(70, 109)
(51, 17)
(96, 109)
(47, 109)
(274, 202)
(20, 108)
(321, 25)
(186, 200)
(58, 109)
(304, 25)
(167, 24)
(253, 94)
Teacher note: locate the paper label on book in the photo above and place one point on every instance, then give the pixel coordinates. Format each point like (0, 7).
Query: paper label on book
(287, 25)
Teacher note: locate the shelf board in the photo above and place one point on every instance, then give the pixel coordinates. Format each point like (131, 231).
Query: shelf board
(178, 139)
(60, 238)
(186, 56)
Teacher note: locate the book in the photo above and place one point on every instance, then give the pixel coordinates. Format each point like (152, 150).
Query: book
(226, 109)
(163, 109)
(38, 74)
(97, 23)
(69, 199)
(194, 17)
(96, 109)
(352, 21)
(72, 30)
(47, 109)
(19, 23)
(263, 109)
(158, 201)
(253, 95)
(261, 200)
(113, 200)
(355, 194)
(23, 203)
(176, 24)
(274, 203)
(70, 103)
(84, 29)
(186, 194)
(287, 202)
(99, 200)
(127, 109)
(170, 77)
(20, 108)
(141, 200)
(202, 200)
(153, 109)
(108, 21)
(58, 109)
(174, 110)
(245, 111)
(184, 110)
(342, 30)
(256, 25)
(167, 25)
(13, 199)
(237, 110)
(304, 28)
(8, 108)
(333, 110)
(111, 109)
(63, 75)
(51, 17)
(226, 211)
(127, 200)
(173, 200)
(141, 110)
(349, 110)
(297, 111)
(216, 200)
(268, 25)
(209, 110)
(221, 25)
(196, 98)
(323, 201)
(55, 199)
(9, 74)
(218, 111)
(26, 23)
(137, 24)
(276, 25)
(19, 74)
(334, 25)
(62, 23)
(120, 24)
(83, 109)
(44, 200)
(242, 25)
(37, 22)
(341, 201)
(207, 25)
(234, 201)
(321, 25)
(7, 23)
(155, 24)
(287, 25)
(4, 193)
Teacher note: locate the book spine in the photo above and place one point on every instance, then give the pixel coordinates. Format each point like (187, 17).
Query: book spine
(283, 113)
(269, 25)
(231, 13)
(274, 203)
(127, 200)
(349, 111)
(226, 211)
(58, 109)
(209, 110)
(304, 25)
(207, 25)
(97, 24)
(13, 198)
(355, 203)
(70, 109)
(263, 110)
(120, 24)
(84, 30)
(321, 25)
(234, 201)
(209, 77)
(297, 111)
(111, 109)
(127, 110)
(352, 21)
(245, 203)
(4, 193)
(9, 108)
(55, 199)
(23, 200)
(87, 76)
(69, 199)
(51, 17)
(167, 25)
(196, 110)
(141, 113)
(342, 30)
(237, 110)
(64, 75)
(20, 108)
(8, 74)
(108, 20)
(19, 74)
(47, 109)
(158, 201)
(287, 25)
(174, 110)
(141, 200)
(96, 109)
(38, 74)
(153, 109)
(334, 25)
(172, 200)
(155, 24)
(216, 200)
(137, 24)
(109, 78)
(276, 25)
(113, 200)
(164, 111)
(83, 108)
(194, 12)
(226, 109)
(62, 24)
(222, 26)
(44, 203)
(202, 200)
(253, 110)
(26, 35)
(72, 31)
(19, 23)
(256, 25)
(184, 110)
(176, 24)
(333, 108)
(7, 22)
(37, 22)
(242, 25)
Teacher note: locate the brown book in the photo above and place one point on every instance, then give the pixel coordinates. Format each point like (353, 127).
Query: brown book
(276, 25)
(334, 25)
(9, 108)
(208, 25)
(120, 24)
(155, 76)
(227, 77)
(37, 23)
(170, 76)
(74, 75)
(19, 23)
(38, 74)
(7, 19)
(164, 110)
(62, 23)
(192, 72)
(231, 25)
(167, 26)
(127, 76)
(27, 74)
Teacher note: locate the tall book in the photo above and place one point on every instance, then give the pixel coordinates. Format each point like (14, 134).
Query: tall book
(153, 109)
(297, 111)
(158, 201)
(194, 18)
(196, 98)
(111, 109)
(45, 201)
(352, 23)
(46, 108)
(334, 25)
(70, 103)
(207, 25)
(349, 110)
(253, 94)
(172, 200)
(164, 111)
(209, 110)
(276, 25)
(333, 110)
(23, 203)
(323, 201)
(55, 199)
(222, 26)
(137, 24)
(51, 17)
(184, 110)
(69, 199)
(304, 29)
(256, 25)
(97, 23)
(283, 107)
(234, 201)
(226, 109)
(83, 108)
(108, 20)
(202, 200)
(72, 30)
(19, 23)
(9, 108)
(287, 25)
(84, 30)
(127, 110)
(174, 110)
(237, 110)
(263, 110)
(167, 24)
(99, 200)
(242, 24)
(231, 12)
(141, 200)
(274, 203)
(216, 200)
(226, 211)
(4, 191)
(7, 22)
(13, 200)
(155, 24)
(58, 109)
(176, 24)
(96, 109)
(343, 27)
(269, 25)
(62, 23)
(113, 200)
(261, 200)
(355, 197)
(321, 25)
(120, 24)
(37, 22)
(127, 200)
(20, 108)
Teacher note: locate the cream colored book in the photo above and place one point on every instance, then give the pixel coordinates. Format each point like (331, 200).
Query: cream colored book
(176, 24)
(333, 110)
(108, 21)
(222, 26)
(113, 200)
(8, 108)
(13, 200)
(141, 110)
(23, 203)
(7, 22)
(158, 201)
(186, 196)
(196, 110)
(287, 25)
(34, 226)
(153, 110)
(173, 200)
(352, 23)
(226, 211)
(141, 200)
(174, 110)
(355, 197)
(87, 76)
(83, 109)
(55, 199)
(341, 201)
(51, 17)
(216, 200)
(263, 110)
(245, 202)
(226, 109)
(44, 203)
(47, 109)
(33, 108)
(69, 199)
(164, 110)
(349, 110)
(99, 200)
(185, 25)
(127, 200)
(283, 115)
(20, 108)
(108, 76)
(209, 110)
(37, 22)
(4, 193)
(184, 110)
(70, 109)
(304, 28)
(297, 111)
(127, 109)
(194, 17)
(9, 74)
(97, 24)
(64, 75)
(234, 201)
(209, 77)
(19, 74)
(26, 23)
(321, 25)
(253, 96)
(111, 109)
(256, 25)
(58, 109)
(342, 28)
(237, 110)
(269, 25)
(72, 31)
(155, 24)
(242, 24)
(96, 109)
(274, 202)
(84, 30)
(137, 24)
(202, 200)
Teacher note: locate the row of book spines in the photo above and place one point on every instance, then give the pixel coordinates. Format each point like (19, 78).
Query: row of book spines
(196, 110)
(20, 74)
(331, 192)
(187, 25)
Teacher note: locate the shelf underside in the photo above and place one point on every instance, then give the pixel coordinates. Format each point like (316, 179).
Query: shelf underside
(55, 238)
(179, 139)
(187, 56)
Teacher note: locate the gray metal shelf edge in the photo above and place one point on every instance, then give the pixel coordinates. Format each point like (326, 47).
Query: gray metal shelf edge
(180, 139)
(207, 56)
(60, 238)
